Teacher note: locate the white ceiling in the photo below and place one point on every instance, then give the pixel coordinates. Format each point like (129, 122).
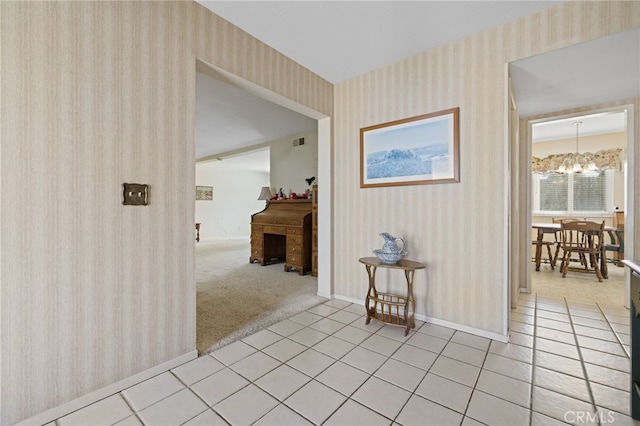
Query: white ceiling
(341, 39)
(256, 161)
(229, 119)
(597, 71)
(588, 125)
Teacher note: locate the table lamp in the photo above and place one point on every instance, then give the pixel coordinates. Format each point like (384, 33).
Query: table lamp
(265, 194)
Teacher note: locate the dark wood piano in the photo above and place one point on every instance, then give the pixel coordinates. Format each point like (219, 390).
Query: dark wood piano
(282, 232)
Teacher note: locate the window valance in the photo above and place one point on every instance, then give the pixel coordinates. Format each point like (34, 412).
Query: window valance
(604, 159)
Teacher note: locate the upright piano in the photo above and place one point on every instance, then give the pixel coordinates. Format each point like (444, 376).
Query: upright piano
(282, 232)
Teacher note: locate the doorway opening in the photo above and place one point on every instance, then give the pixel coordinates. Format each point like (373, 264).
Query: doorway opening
(254, 135)
(557, 143)
(564, 84)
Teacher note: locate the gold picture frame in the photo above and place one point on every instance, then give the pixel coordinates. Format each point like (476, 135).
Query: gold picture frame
(418, 150)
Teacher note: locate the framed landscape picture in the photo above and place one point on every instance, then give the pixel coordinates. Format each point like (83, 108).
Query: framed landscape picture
(412, 151)
(204, 192)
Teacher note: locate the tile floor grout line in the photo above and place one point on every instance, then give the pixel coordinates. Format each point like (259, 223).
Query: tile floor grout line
(584, 368)
(412, 393)
(186, 386)
(199, 414)
(251, 382)
(473, 389)
(308, 419)
(126, 401)
(449, 340)
(219, 414)
(57, 421)
(474, 386)
(282, 403)
(210, 407)
(345, 401)
(624, 349)
(348, 397)
(446, 378)
(568, 305)
(533, 358)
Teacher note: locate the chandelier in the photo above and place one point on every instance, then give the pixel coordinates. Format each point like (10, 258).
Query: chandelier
(577, 163)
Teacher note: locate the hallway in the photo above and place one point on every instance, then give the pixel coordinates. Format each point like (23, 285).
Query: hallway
(567, 362)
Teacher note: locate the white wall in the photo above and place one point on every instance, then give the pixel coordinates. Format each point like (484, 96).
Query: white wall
(291, 165)
(235, 194)
(235, 191)
(590, 144)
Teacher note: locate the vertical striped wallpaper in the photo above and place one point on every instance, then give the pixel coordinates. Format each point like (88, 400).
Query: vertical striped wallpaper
(222, 44)
(99, 93)
(459, 229)
(95, 94)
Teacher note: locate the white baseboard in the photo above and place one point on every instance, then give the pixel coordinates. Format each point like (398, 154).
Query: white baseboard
(464, 328)
(350, 299)
(325, 295)
(443, 323)
(88, 399)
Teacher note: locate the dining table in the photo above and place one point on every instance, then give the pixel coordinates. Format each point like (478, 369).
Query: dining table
(551, 228)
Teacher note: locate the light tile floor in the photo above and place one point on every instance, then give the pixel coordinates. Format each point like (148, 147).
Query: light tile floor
(567, 362)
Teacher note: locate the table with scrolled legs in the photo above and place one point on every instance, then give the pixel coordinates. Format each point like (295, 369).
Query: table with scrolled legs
(388, 308)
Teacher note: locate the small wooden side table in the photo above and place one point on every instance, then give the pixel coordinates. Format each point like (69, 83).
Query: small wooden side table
(389, 308)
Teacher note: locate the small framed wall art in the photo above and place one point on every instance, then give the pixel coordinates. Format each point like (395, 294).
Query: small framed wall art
(413, 151)
(204, 192)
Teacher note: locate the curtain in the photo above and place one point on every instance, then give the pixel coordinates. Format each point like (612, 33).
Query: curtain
(604, 159)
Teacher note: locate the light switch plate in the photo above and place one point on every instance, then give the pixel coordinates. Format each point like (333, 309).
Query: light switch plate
(135, 194)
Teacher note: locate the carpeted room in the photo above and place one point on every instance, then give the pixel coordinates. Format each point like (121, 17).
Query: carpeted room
(244, 143)
(235, 298)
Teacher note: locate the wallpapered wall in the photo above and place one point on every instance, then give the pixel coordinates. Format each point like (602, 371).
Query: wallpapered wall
(95, 94)
(458, 229)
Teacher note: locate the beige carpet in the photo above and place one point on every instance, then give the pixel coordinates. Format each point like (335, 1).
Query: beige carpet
(235, 298)
(579, 286)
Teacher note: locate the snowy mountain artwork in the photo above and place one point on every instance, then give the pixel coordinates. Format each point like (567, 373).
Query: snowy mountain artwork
(412, 151)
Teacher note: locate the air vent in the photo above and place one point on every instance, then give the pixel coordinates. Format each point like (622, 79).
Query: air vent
(298, 142)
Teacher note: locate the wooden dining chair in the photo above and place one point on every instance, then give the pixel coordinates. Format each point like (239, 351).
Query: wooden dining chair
(559, 238)
(586, 239)
(547, 244)
(617, 245)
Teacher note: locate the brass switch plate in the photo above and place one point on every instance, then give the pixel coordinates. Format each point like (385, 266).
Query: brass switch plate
(135, 194)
